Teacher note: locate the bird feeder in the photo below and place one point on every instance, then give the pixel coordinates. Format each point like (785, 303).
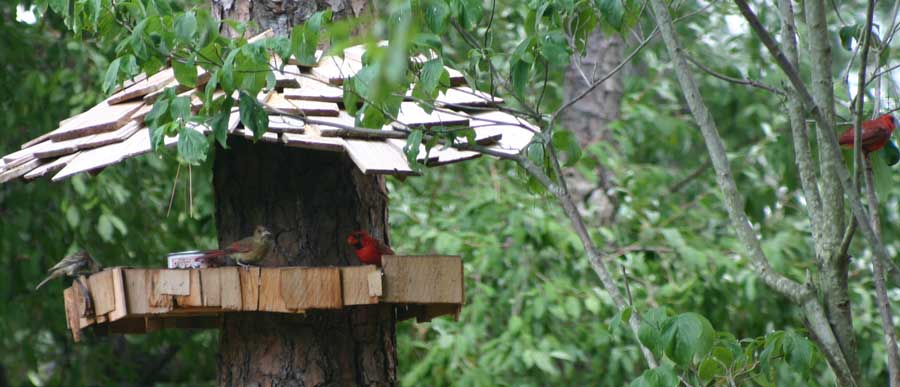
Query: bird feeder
(131, 300)
(139, 300)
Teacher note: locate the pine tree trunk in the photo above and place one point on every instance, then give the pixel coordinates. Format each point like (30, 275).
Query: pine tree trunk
(589, 117)
(310, 201)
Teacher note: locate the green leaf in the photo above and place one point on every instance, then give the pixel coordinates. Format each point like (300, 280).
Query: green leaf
(253, 116)
(612, 12)
(709, 369)
(798, 351)
(555, 48)
(519, 72)
(111, 79)
(847, 34)
(470, 13)
(105, 227)
(429, 79)
(436, 14)
(686, 336)
(412, 145)
(192, 146)
(219, 126)
(662, 376)
(305, 38)
(566, 142)
(890, 154)
(185, 72)
(181, 108)
(185, 27)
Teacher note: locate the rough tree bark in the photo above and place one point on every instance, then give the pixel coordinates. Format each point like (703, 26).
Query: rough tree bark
(310, 201)
(588, 119)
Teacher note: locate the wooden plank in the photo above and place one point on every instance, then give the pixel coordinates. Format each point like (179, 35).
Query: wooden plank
(378, 157)
(139, 89)
(231, 288)
(60, 148)
(174, 282)
(101, 118)
(249, 288)
(102, 291)
(210, 280)
(422, 279)
(287, 77)
(159, 299)
(311, 288)
(516, 133)
(456, 78)
(313, 141)
(412, 115)
(375, 282)
(115, 136)
(94, 159)
(449, 156)
(248, 134)
(466, 97)
(335, 70)
(136, 286)
(20, 170)
(195, 298)
(121, 306)
(128, 326)
(301, 107)
(314, 90)
(270, 291)
(355, 285)
(72, 317)
(281, 124)
(431, 311)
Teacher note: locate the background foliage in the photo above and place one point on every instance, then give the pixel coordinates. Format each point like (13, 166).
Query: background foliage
(536, 314)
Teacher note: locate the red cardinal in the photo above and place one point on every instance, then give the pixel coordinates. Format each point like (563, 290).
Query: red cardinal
(875, 133)
(251, 249)
(368, 249)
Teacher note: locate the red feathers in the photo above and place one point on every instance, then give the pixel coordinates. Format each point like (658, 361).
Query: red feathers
(875, 133)
(368, 249)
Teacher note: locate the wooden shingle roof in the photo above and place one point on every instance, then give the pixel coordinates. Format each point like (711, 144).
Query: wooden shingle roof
(114, 130)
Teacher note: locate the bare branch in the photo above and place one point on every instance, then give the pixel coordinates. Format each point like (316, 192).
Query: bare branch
(745, 82)
(884, 304)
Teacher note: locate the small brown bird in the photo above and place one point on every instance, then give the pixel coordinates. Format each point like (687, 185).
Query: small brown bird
(249, 250)
(71, 266)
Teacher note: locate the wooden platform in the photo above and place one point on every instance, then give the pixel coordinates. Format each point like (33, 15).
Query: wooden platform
(133, 300)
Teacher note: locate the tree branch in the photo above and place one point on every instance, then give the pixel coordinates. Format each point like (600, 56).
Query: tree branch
(745, 82)
(734, 202)
(884, 304)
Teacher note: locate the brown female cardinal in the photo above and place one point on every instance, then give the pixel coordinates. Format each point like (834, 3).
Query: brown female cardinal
(249, 250)
(368, 249)
(72, 266)
(875, 133)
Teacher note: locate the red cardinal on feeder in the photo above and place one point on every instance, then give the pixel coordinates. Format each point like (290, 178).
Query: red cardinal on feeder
(250, 250)
(875, 133)
(368, 249)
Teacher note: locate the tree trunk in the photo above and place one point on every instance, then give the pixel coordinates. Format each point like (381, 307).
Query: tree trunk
(310, 201)
(589, 117)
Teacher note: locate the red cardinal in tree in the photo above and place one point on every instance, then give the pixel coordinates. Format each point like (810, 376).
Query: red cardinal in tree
(249, 250)
(875, 133)
(368, 249)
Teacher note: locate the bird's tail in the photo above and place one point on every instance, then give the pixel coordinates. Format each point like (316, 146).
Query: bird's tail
(49, 277)
(215, 257)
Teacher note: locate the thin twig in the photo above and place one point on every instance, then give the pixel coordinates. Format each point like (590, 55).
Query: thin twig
(679, 185)
(745, 82)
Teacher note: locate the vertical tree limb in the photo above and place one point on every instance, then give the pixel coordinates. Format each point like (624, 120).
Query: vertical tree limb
(734, 203)
(884, 304)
